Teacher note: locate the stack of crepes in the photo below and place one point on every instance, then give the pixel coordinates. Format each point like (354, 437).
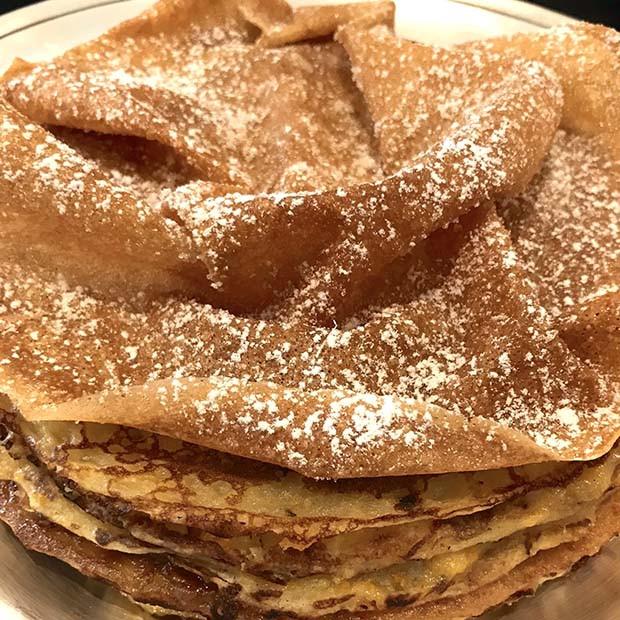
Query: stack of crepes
(301, 320)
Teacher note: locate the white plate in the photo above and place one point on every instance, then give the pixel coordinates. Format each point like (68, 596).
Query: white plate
(48, 28)
(33, 587)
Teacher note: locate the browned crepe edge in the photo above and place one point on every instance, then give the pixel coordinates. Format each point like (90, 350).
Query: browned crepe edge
(42, 536)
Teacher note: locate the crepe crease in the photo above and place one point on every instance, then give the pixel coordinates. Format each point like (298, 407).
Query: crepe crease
(298, 319)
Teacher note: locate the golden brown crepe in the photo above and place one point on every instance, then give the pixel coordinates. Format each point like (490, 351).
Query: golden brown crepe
(448, 557)
(233, 87)
(150, 580)
(301, 320)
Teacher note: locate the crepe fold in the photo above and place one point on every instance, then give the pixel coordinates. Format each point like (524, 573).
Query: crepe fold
(301, 320)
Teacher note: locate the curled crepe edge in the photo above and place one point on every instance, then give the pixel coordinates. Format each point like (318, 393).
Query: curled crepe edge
(329, 434)
(281, 25)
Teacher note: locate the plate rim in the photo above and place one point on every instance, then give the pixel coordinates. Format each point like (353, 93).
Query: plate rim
(47, 10)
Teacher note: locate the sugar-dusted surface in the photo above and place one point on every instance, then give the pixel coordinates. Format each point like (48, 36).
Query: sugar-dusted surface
(389, 345)
(269, 122)
(323, 401)
(409, 328)
(566, 228)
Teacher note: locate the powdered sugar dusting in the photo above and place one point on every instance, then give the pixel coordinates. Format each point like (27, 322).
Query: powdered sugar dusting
(250, 217)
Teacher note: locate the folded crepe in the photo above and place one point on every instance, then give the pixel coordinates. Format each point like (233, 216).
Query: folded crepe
(299, 319)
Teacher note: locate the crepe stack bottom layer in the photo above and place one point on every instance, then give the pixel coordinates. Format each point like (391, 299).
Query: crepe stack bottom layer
(185, 530)
(301, 320)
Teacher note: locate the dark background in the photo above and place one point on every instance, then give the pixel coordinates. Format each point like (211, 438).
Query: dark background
(601, 11)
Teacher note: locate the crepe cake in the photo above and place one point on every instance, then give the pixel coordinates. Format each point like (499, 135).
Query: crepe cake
(302, 320)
